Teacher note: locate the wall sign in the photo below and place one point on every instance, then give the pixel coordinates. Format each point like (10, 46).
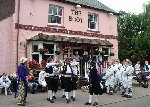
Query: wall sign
(76, 16)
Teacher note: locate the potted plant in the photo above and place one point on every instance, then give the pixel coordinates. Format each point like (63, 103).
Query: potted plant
(67, 49)
(112, 54)
(42, 50)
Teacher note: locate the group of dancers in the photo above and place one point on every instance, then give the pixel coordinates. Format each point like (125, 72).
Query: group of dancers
(119, 76)
(65, 73)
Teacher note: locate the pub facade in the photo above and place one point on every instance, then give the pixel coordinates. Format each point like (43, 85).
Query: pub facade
(58, 28)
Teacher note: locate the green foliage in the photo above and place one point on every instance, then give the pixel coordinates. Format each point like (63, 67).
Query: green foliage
(134, 35)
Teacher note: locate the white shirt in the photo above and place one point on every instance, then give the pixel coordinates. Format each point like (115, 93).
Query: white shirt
(129, 70)
(109, 71)
(74, 67)
(68, 70)
(56, 71)
(51, 64)
(41, 76)
(137, 67)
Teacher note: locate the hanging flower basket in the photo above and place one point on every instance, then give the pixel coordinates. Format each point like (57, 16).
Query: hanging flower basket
(67, 49)
(57, 52)
(42, 50)
(112, 54)
(96, 52)
(102, 52)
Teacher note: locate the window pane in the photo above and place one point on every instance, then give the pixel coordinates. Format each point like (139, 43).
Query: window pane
(34, 48)
(60, 11)
(50, 48)
(92, 25)
(58, 19)
(52, 19)
(106, 51)
(35, 57)
(91, 17)
(95, 18)
(55, 10)
(50, 9)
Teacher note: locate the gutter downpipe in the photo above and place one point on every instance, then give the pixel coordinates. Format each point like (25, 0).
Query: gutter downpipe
(18, 20)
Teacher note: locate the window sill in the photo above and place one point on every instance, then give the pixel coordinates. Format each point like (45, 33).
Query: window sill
(56, 26)
(93, 30)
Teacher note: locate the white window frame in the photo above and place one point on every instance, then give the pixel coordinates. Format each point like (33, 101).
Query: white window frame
(96, 29)
(40, 45)
(108, 50)
(57, 24)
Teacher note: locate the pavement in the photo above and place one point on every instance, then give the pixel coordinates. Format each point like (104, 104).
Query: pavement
(141, 98)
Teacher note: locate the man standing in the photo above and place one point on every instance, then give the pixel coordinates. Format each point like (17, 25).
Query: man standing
(76, 56)
(68, 73)
(85, 63)
(74, 66)
(50, 78)
(94, 85)
(128, 79)
(110, 78)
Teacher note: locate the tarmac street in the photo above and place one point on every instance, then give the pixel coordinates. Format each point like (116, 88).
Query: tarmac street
(141, 98)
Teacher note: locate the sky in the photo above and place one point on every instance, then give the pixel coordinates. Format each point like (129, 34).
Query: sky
(132, 6)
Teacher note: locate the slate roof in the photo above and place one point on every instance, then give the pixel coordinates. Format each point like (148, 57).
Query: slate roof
(92, 4)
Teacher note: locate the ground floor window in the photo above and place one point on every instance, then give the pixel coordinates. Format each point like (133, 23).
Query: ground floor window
(40, 51)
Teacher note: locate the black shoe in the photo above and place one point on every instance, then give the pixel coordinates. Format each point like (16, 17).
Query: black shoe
(48, 99)
(95, 104)
(71, 97)
(22, 104)
(125, 96)
(63, 96)
(54, 97)
(51, 100)
(87, 103)
(68, 100)
(33, 92)
(129, 96)
(74, 99)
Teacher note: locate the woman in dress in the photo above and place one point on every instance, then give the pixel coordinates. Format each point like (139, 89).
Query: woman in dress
(22, 82)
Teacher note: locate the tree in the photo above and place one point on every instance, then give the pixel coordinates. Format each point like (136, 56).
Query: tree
(134, 35)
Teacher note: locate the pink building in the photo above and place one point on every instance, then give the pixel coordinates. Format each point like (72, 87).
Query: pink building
(54, 25)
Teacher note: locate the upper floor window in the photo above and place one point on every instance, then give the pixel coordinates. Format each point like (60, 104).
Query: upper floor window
(55, 15)
(93, 21)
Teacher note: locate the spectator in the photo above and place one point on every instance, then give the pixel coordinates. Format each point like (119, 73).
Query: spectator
(22, 82)
(41, 79)
(32, 83)
(5, 83)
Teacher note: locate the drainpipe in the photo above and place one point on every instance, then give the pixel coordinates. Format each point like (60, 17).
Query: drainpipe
(17, 33)
(26, 48)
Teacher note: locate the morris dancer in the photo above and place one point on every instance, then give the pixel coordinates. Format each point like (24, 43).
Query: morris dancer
(49, 77)
(110, 79)
(74, 66)
(68, 72)
(94, 85)
(128, 79)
